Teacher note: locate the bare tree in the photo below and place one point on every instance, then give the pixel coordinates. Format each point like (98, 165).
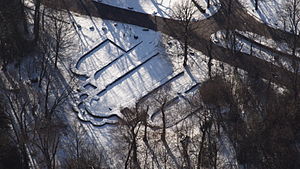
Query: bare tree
(81, 151)
(55, 37)
(46, 138)
(185, 13)
(161, 100)
(131, 123)
(256, 4)
(47, 127)
(208, 4)
(37, 16)
(32, 113)
(10, 157)
(17, 115)
(209, 63)
(61, 32)
(13, 31)
(292, 15)
(230, 40)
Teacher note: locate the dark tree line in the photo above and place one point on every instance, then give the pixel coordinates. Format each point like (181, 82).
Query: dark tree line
(32, 111)
(13, 31)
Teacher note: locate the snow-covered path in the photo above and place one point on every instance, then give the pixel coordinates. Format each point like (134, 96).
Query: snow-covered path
(121, 64)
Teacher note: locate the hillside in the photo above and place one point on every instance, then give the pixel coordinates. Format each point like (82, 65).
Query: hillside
(150, 84)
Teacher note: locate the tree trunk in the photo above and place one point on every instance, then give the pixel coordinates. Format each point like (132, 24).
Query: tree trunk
(201, 149)
(25, 161)
(36, 29)
(185, 144)
(185, 54)
(256, 5)
(57, 53)
(145, 139)
(163, 137)
(25, 26)
(128, 157)
(134, 155)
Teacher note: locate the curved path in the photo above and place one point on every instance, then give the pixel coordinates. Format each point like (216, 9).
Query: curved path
(231, 16)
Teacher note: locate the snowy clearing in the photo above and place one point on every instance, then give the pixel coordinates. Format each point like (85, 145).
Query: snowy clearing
(120, 63)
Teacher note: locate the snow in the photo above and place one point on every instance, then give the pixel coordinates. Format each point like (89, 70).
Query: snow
(279, 46)
(118, 64)
(123, 61)
(244, 46)
(119, 69)
(99, 57)
(270, 12)
(163, 8)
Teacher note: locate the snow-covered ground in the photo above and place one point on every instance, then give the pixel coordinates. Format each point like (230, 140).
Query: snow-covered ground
(279, 46)
(271, 12)
(122, 63)
(125, 63)
(163, 8)
(245, 46)
(117, 64)
(268, 11)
